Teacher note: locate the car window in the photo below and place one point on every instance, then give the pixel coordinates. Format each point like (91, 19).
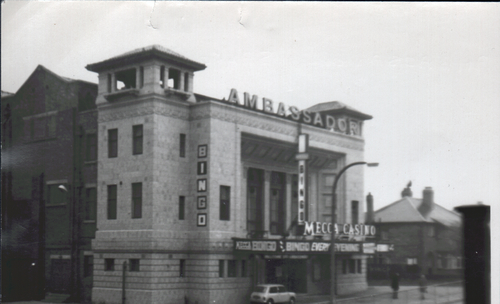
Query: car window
(282, 289)
(273, 290)
(260, 289)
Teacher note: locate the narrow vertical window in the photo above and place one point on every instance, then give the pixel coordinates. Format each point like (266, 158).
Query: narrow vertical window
(112, 143)
(136, 200)
(182, 145)
(141, 77)
(221, 268)
(352, 266)
(231, 268)
(344, 266)
(277, 203)
(90, 204)
(225, 203)
(134, 265)
(88, 265)
(182, 268)
(109, 83)
(109, 264)
(354, 212)
(181, 207)
(91, 145)
(111, 202)
(186, 82)
(137, 139)
(243, 268)
(360, 266)
(162, 76)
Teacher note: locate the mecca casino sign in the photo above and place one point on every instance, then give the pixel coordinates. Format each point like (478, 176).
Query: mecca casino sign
(357, 230)
(340, 125)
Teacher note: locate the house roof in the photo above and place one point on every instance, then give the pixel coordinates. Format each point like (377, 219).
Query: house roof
(337, 107)
(154, 50)
(406, 210)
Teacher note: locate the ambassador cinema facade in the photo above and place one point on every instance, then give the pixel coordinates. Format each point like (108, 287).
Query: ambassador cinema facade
(204, 198)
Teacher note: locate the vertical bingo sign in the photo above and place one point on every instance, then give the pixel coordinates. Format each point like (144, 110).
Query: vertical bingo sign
(302, 158)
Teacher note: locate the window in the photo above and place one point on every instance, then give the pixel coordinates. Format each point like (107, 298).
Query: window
(56, 195)
(182, 145)
(113, 143)
(182, 268)
(231, 268)
(141, 77)
(109, 264)
(125, 79)
(174, 76)
(277, 203)
(411, 261)
(385, 235)
(316, 271)
(182, 200)
(136, 200)
(221, 268)
(244, 268)
(110, 83)
(430, 231)
(225, 203)
(137, 139)
(354, 212)
(88, 265)
(134, 264)
(352, 266)
(162, 76)
(91, 153)
(273, 290)
(255, 200)
(360, 266)
(344, 266)
(186, 82)
(90, 204)
(111, 202)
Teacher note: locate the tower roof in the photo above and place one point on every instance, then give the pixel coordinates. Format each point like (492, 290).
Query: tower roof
(152, 51)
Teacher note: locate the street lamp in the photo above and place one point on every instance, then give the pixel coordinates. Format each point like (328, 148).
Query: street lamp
(333, 273)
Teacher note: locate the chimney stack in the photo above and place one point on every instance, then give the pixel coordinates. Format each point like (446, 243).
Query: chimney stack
(369, 209)
(427, 202)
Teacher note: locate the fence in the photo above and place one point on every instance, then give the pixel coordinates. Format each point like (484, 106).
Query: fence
(442, 293)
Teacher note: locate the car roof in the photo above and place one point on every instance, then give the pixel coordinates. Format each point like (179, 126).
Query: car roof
(271, 285)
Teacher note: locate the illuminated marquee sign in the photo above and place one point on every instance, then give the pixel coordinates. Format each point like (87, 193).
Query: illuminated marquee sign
(340, 125)
(302, 158)
(319, 228)
(301, 247)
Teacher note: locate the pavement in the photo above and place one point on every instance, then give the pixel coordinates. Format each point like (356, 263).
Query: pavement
(372, 295)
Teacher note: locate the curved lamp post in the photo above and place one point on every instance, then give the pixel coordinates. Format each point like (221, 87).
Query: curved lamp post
(333, 272)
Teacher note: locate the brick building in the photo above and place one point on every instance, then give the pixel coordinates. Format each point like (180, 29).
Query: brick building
(426, 237)
(48, 186)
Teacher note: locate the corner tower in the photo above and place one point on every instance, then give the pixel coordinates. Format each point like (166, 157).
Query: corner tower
(143, 174)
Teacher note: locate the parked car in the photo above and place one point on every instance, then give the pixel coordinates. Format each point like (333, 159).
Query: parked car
(272, 293)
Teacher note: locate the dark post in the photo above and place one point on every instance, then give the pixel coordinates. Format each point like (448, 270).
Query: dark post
(124, 278)
(476, 249)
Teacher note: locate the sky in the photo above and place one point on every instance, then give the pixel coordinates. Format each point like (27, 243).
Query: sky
(428, 73)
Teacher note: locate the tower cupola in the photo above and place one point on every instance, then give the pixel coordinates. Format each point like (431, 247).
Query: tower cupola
(148, 70)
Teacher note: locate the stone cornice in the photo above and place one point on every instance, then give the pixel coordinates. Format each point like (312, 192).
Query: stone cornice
(141, 107)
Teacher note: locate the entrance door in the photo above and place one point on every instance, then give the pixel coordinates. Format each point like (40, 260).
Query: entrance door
(297, 275)
(60, 275)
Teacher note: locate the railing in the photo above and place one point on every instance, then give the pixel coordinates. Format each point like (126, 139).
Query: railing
(442, 293)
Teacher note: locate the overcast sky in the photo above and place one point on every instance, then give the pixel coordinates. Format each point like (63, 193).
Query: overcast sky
(428, 73)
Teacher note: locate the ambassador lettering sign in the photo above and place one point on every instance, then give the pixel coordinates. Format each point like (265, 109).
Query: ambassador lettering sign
(335, 124)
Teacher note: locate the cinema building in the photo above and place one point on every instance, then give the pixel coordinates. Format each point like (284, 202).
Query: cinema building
(202, 198)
